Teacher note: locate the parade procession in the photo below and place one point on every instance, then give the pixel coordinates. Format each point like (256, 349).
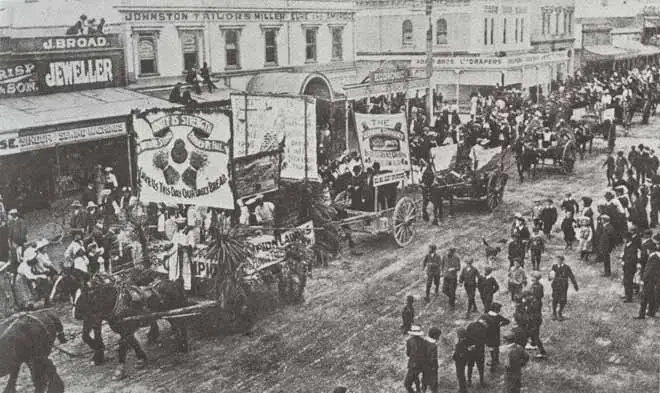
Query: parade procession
(329, 196)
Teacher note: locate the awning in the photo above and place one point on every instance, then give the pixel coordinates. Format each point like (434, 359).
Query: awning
(608, 52)
(40, 122)
(293, 83)
(643, 50)
(651, 22)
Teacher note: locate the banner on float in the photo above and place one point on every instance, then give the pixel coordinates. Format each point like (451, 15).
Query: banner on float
(608, 114)
(256, 174)
(383, 139)
(183, 158)
(578, 113)
(262, 123)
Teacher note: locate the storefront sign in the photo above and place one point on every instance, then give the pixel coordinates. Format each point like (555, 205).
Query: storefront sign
(235, 16)
(363, 90)
(262, 123)
(256, 174)
(65, 43)
(18, 79)
(467, 62)
(389, 76)
(384, 139)
(182, 158)
(18, 143)
(61, 73)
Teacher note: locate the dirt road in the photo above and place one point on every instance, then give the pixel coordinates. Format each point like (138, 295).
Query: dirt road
(347, 331)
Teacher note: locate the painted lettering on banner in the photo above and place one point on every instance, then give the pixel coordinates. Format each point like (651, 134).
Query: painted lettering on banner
(183, 158)
(18, 79)
(262, 123)
(383, 139)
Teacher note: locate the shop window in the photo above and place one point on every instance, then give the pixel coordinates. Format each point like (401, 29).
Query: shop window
(407, 33)
(492, 29)
(310, 45)
(504, 31)
(190, 47)
(232, 49)
(570, 21)
(543, 23)
(337, 43)
(516, 33)
(270, 41)
(147, 54)
(556, 22)
(565, 21)
(485, 31)
(441, 32)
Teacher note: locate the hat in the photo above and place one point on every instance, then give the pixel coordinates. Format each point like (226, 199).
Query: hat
(536, 275)
(587, 200)
(29, 254)
(180, 220)
(415, 331)
(76, 204)
(517, 215)
(495, 307)
(108, 169)
(340, 389)
(605, 217)
(656, 238)
(549, 200)
(91, 204)
(647, 233)
(92, 246)
(41, 244)
(13, 212)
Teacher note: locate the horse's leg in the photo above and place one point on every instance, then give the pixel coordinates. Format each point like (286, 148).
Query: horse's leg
(55, 383)
(154, 332)
(96, 344)
(437, 208)
(39, 376)
(13, 376)
(451, 205)
(123, 349)
(181, 328)
(133, 342)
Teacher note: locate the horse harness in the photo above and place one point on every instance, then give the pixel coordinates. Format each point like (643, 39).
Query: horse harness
(136, 295)
(19, 316)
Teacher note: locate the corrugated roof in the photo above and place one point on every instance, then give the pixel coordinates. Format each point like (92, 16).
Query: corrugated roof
(28, 112)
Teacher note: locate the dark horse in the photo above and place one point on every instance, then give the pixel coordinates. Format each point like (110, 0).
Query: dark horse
(526, 159)
(434, 195)
(584, 136)
(29, 338)
(108, 301)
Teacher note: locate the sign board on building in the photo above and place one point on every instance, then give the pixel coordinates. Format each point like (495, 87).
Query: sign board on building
(182, 158)
(491, 62)
(237, 16)
(384, 139)
(262, 123)
(65, 43)
(61, 73)
(389, 76)
(14, 143)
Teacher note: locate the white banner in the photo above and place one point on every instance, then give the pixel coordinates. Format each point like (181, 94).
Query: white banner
(578, 113)
(183, 157)
(383, 139)
(261, 123)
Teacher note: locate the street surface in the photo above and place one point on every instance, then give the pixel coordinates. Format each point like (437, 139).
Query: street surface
(347, 331)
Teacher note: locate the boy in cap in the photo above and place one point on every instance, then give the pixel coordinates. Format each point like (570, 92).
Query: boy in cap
(488, 286)
(416, 350)
(536, 247)
(549, 217)
(408, 314)
(560, 275)
(494, 322)
(517, 279)
(469, 277)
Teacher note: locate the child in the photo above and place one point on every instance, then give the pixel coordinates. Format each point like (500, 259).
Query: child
(585, 237)
(487, 288)
(536, 248)
(517, 279)
(567, 226)
(469, 277)
(408, 314)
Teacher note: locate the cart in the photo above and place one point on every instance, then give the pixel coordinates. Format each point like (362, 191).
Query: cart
(561, 152)
(399, 220)
(485, 183)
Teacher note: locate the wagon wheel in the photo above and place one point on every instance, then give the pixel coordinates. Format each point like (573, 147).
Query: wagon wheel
(495, 193)
(568, 158)
(403, 221)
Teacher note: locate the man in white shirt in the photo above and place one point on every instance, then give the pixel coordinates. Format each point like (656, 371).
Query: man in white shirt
(263, 211)
(180, 263)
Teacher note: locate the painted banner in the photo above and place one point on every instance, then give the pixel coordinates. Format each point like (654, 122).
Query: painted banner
(259, 173)
(608, 114)
(578, 113)
(183, 158)
(261, 123)
(383, 139)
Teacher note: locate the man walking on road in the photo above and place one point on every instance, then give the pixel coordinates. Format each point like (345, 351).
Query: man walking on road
(469, 278)
(605, 244)
(432, 262)
(430, 375)
(416, 350)
(451, 264)
(650, 276)
(629, 262)
(560, 275)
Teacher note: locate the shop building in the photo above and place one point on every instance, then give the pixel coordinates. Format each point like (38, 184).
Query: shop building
(476, 44)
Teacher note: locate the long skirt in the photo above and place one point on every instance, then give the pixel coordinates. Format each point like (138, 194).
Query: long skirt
(24, 294)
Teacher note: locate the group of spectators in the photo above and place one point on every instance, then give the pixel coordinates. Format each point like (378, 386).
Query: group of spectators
(181, 94)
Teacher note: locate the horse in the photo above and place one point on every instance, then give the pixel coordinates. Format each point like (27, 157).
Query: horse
(29, 338)
(584, 136)
(526, 159)
(434, 195)
(105, 300)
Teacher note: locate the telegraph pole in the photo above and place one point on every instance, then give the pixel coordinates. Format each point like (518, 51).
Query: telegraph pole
(429, 61)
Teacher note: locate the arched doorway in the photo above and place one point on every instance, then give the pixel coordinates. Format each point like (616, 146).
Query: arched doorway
(319, 87)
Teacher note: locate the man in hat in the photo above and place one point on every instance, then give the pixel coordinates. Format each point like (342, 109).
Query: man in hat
(460, 357)
(488, 286)
(110, 180)
(653, 163)
(26, 280)
(647, 247)
(520, 235)
(89, 194)
(629, 262)
(180, 266)
(655, 200)
(264, 211)
(78, 220)
(548, 217)
(569, 204)
(430, 374)
(431, 264)
(650, 278)
(4, 240)
(469, 277)
(416, 350)
(620, 165)
(73, 249)
(451, 264)
(560, 275)
(515, 358)
(609, 171)
(17, 234)
(92, 216)
(494, 322)
(606, 241)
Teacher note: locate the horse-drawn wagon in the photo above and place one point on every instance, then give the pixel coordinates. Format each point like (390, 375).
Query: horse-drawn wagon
(541, 145)
(475, 174)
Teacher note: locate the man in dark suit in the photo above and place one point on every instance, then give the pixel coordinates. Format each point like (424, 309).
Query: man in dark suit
(650, 279)
(494, 322)
(416, 350)
(605, 245)
(629, 261)
(430, 374)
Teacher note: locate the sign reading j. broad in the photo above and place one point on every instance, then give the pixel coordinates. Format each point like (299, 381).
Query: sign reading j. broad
(65, 43)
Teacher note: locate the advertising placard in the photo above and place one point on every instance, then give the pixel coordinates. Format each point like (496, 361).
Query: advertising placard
(259, 173)
(65, 43)
(262, 123)
(183, 158)
(383, 139)
(18, 78)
